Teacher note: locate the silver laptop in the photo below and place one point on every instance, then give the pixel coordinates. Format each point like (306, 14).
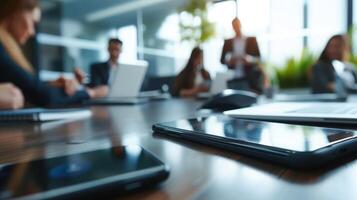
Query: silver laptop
(342, 113)
(128, 80)
(218, 85)
(126, 85)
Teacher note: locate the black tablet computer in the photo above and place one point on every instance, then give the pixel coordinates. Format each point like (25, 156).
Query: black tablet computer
(96, 174)
(292, 145)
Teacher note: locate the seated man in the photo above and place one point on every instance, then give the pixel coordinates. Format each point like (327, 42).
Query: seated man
(10, 97)
(101, 73)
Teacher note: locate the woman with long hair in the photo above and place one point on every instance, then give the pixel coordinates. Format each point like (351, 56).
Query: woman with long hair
(193, 79)
(17, 25)
(324, 77)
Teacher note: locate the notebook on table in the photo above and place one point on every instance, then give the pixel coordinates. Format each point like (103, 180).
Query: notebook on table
(42, 115)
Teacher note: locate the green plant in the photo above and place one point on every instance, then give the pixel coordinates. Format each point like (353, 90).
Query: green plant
(194, 24)
(351, 34)
(295, 72)
(353, 60)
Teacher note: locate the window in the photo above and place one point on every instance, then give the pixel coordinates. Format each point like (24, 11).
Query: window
(151, 31)
(325, 19)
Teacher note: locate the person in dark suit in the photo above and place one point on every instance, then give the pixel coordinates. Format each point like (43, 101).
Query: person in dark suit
(17, 25)
(101, 73)
(242, 55)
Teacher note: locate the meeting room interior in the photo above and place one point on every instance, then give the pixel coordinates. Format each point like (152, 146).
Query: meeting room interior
(178, 99)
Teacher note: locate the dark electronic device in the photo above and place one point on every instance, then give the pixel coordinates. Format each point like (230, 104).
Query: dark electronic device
(292, 145)
(91, 174)
(230, 100)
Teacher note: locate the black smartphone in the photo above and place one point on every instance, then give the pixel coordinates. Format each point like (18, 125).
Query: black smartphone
(116, 170)
(291, 145)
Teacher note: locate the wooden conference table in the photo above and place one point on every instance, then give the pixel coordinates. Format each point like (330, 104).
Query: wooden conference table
(197, 171)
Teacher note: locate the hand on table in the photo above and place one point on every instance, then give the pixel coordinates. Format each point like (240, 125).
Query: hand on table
(10, 97)
(98, 92)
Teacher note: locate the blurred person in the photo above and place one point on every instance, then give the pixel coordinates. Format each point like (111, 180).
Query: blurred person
(242, 55)
(102, 73)
(17, 25)
(332, 72)
(10, 97)
(193, 79)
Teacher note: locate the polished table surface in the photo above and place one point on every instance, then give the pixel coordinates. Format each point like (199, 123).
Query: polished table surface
(197, 171)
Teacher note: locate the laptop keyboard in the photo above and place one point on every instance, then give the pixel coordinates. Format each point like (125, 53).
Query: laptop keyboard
(330, 109)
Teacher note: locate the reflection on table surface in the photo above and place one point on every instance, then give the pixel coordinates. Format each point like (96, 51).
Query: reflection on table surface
(197, 171)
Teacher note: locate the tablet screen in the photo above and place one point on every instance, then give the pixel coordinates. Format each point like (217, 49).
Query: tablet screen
(88, 169)
(284, 136)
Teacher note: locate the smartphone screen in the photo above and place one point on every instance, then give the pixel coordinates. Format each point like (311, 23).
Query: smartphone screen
(61, 175)
(283, 136)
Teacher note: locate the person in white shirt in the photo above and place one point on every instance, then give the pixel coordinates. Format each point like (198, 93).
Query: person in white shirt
(102, 73)
(242, 55)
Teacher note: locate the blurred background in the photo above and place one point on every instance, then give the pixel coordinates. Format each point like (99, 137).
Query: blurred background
(291, 34)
